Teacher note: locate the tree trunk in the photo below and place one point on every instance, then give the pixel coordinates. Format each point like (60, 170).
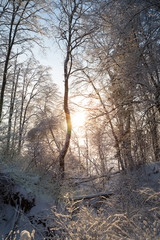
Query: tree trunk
(110, 123)
(67, 115)
(155, 139)
(13, 96)
(12, 35)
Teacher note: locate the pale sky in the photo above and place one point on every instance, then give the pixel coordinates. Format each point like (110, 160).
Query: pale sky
(52, 57)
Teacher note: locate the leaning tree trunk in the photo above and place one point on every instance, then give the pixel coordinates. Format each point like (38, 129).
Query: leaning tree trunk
(118, 150)
(67, 139)
(67, 113)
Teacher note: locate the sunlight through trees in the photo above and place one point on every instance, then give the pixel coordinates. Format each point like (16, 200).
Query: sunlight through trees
(107, 120)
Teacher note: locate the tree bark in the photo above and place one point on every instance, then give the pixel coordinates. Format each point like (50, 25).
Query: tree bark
(68, 119)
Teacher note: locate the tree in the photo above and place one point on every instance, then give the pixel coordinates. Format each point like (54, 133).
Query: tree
(122, 54)
(31, 86)
(19, 27)
(15, 79)
(44, 138)
(73, 35)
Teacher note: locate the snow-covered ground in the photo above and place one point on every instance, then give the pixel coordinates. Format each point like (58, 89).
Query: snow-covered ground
(38, 220)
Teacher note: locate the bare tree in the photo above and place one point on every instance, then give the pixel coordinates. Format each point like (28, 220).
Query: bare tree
(72, 33)
(19, 28)
(15, 79)
(34, 76)
(123, 52)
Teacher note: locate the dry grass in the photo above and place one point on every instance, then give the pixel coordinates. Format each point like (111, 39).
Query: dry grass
(109, 221)
(132, 212)
(77, 221)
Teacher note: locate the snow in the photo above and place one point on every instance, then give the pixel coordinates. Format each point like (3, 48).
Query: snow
(29, 186)
(147, 175)
(37, 220)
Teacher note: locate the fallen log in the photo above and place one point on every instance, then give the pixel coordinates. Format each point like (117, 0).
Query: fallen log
(88, 179)
(102, 194)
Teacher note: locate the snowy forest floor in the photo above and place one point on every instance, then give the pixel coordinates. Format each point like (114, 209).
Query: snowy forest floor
(44, 208)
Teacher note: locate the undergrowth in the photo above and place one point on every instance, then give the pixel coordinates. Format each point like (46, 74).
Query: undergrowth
(138, 219)
(132, 213)
(79, 221)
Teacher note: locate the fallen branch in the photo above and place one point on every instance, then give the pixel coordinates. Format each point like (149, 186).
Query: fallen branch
(106, 195)
(84, 180)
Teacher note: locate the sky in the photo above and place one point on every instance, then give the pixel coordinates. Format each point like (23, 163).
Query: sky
(52, 57)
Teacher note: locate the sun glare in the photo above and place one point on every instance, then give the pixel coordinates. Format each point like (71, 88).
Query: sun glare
(78, 119)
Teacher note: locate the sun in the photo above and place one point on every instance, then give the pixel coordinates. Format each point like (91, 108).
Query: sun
(78, 119)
